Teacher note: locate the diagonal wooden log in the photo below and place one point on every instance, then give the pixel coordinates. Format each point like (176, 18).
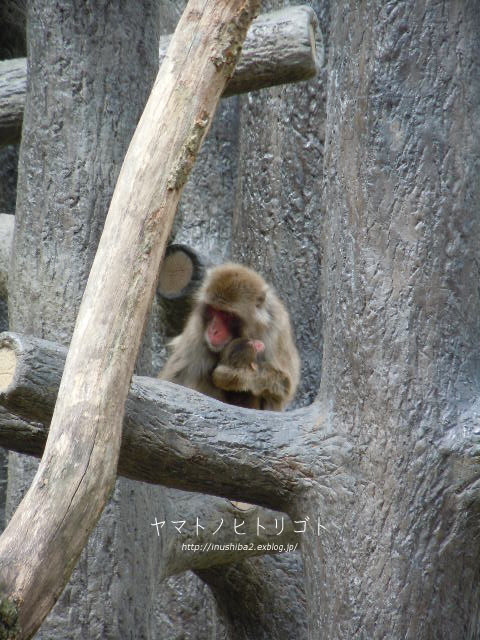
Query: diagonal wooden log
(78, 469)
(281, 47)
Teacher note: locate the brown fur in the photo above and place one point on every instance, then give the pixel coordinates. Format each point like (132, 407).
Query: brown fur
(237, 360)
(236, 289)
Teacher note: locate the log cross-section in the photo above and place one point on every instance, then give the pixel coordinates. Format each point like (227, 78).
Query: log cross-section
(78, 469)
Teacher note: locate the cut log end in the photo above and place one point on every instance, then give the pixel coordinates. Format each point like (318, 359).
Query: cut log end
(8, 365)
(242, 506)
(176, 273)
(180, 276)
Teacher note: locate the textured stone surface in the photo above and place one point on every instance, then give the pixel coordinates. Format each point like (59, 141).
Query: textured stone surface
(402, 320)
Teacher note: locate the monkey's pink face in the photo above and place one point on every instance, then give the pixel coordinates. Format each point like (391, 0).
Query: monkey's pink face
(221, 328)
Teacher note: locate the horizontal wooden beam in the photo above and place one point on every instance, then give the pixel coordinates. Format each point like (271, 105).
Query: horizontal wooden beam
(29, 437)
(171, 435)
(281, 47)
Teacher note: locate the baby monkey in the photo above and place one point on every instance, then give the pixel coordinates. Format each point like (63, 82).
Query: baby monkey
(237, 345)
(237, 362)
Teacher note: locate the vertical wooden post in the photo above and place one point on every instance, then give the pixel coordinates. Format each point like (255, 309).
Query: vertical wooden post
(41, 545)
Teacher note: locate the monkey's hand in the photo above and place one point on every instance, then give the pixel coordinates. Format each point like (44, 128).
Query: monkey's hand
(242, 368)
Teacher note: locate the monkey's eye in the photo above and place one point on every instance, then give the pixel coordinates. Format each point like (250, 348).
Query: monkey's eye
(260, 299)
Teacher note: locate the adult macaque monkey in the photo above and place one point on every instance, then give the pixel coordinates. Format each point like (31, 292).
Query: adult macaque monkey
(234, 303)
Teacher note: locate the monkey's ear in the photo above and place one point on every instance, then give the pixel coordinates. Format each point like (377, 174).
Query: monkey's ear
(260, 299)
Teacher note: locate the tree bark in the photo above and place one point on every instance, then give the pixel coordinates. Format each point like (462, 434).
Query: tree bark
(280, 48)
(403, 323)
(112, 315)
(242, 534)
(209, 208)
(279, 233)
(277, 230)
